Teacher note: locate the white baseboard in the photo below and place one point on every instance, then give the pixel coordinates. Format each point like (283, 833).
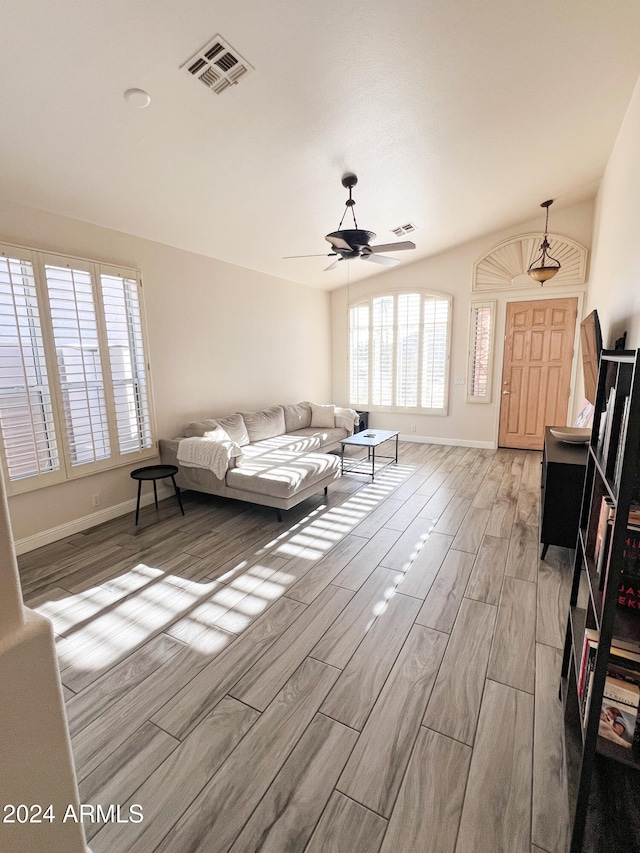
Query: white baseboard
(54, 534)
(456, 442)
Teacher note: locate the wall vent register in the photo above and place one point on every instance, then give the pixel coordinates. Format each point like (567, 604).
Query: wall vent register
(218, 65)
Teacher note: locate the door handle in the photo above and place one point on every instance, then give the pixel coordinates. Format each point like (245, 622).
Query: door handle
(506, 392)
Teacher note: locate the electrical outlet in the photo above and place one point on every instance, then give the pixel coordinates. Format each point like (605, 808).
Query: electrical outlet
(413, 427)
(459, 380)
(95, 500)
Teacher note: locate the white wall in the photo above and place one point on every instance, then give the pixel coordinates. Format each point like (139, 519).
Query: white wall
(221, 338)
(615, 275)
(451, 272)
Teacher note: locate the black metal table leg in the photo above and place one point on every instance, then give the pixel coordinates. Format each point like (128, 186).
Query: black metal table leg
(177, 491)
(138, 501)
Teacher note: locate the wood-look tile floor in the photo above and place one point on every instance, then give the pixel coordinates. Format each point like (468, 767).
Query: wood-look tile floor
(379, 672)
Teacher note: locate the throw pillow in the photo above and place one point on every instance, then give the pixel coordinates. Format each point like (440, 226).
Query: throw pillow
(217, 434)
(196, 429)
(236, 427)
(322, 416)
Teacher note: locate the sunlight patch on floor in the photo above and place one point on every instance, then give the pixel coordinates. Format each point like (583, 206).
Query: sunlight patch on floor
(105, 624)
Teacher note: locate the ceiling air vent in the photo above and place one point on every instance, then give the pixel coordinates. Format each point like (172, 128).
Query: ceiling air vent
(217, 65)
(403, 229)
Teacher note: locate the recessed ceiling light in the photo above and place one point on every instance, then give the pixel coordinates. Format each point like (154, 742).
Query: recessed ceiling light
(137, 98)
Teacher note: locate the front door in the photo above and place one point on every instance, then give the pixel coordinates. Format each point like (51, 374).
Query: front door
(536, 373)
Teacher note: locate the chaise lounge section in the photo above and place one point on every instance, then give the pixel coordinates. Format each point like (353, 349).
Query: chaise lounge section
(274, 457)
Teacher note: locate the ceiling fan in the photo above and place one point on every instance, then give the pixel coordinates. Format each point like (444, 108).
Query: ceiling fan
(354, 242)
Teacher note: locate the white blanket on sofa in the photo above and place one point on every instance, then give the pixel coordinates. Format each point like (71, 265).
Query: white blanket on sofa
(213, 451)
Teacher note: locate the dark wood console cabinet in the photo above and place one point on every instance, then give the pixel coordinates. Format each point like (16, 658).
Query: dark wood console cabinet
(563, 470)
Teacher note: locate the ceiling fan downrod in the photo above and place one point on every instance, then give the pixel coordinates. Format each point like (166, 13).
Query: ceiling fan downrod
(349, 180)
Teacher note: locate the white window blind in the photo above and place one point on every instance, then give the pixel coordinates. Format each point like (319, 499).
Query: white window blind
(403, 355)
(26, 412)
(75, 334)
(128, 369)
(480, 351)
(382, 351)
(359, 354)
(74, 391)
(408, 349)
(434, 361)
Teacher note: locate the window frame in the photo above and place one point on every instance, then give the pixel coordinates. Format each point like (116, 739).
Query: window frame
(368, 301)
(68, 472)
(474, 306)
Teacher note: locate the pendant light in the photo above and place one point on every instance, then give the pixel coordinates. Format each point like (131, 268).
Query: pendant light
(544, 267)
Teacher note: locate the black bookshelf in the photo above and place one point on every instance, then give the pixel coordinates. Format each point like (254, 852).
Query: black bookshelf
(612, 469)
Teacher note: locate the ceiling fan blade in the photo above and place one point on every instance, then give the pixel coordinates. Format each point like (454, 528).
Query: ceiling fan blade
(338, 242)
(393, 247)
(381, 259)
(332, 266)
(324, 255)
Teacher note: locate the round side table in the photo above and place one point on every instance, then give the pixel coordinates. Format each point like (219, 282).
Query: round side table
(155, 473)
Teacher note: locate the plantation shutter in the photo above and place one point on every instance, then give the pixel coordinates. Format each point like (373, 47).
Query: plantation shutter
(75, 334)
(408, 349)
(123, 323)
(481, 331)
(434, 358)
(359, 355)
(75, 396)
(26, 410)
(399, 352)
(382, 334)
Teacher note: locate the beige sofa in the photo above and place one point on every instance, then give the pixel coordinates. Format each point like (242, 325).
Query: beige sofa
(275, 457)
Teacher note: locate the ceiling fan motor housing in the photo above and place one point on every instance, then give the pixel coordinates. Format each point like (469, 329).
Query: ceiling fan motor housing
(355, 239)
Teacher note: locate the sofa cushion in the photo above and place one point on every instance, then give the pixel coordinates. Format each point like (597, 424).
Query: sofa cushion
(293, 443)
(235, 426)
(196, 429)
(266, 423)
(325, 436)
(322, 416)
(282, 474)
(297, 416)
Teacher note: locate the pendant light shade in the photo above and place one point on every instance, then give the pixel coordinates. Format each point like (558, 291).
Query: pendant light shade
(544, 267)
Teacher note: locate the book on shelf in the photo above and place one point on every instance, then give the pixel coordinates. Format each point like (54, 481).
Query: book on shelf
(629, 593)
(603, 534)
(624, 656)
(619, 709)
(630, 565)
(634, 514)
(604, 431)
(619, 712)
(617, 468)
(629, 589)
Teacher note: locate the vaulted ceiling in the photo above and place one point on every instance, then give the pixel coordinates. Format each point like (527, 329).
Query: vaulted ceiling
(457, 115)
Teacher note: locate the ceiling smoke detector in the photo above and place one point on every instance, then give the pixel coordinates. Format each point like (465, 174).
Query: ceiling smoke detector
(401, 230)
(218, 65)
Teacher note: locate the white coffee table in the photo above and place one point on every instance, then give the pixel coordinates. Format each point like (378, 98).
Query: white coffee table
(369, 439)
